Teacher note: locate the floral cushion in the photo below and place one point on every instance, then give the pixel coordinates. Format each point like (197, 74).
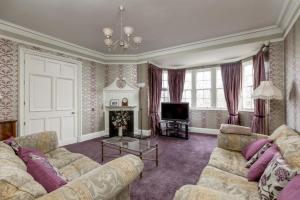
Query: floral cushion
(275, 178)
(258, 154)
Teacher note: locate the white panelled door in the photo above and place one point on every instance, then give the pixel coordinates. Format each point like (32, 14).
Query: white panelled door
(51, 97)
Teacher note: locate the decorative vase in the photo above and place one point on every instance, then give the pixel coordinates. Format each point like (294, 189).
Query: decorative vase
(120, 133)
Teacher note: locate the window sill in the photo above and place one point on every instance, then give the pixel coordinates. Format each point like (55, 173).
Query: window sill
(217, 109)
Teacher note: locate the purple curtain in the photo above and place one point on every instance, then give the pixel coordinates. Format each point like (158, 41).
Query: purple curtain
(176, 79)
(155, 86)
(258, 125)
(232, 78)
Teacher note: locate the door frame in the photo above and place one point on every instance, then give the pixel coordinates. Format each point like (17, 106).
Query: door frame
(21, 114)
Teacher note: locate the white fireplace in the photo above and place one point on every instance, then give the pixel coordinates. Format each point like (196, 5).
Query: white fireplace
(117, 91)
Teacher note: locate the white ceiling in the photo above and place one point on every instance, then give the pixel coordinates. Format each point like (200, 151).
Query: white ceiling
(161, 23)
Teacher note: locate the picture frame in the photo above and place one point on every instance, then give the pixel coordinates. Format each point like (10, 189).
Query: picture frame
(114, 102)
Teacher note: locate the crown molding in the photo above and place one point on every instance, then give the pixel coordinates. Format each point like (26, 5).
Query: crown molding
(28, 36)
(288, 16)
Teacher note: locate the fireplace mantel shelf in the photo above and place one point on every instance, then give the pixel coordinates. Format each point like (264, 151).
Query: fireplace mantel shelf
(120, 107)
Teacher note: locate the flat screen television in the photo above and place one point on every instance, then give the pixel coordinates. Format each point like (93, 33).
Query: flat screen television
(175, 111)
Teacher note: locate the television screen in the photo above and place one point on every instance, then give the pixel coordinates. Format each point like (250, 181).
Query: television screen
(175, 111)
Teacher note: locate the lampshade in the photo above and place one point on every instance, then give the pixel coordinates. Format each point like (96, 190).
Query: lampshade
(128, 30)
(267, 91)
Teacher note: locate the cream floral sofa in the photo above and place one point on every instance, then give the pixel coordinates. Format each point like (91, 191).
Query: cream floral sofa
(87, 179)
(224, 178)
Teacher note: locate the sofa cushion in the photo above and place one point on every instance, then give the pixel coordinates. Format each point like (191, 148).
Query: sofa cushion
(291, 191)
(44, 141)
(289, 148)
(258, 155)
(231, 128)
(258, 168)
(17, 183)
(78, 168)
(24, 153)
(226, 182)
(229, 161)
(197, 192)
(250, 150)
(282, 131)
(61, 157)
(40, 169)
(9, 158)
(275, 178)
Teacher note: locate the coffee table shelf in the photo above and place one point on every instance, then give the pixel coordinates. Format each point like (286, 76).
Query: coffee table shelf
(130, 145)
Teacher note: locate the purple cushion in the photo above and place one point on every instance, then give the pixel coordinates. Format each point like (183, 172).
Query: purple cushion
(24, 153)
(253, 147)
(258, 168)
(291, 191)
(41, 170)
(13, 144)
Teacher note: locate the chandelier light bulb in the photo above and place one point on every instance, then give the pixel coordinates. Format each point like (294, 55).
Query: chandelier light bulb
(108, 32)
(108, 42)
(128, 30)
(137, 40)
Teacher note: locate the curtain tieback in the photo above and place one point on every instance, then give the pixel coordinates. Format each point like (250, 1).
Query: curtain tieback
(234, 115)
(260, 116)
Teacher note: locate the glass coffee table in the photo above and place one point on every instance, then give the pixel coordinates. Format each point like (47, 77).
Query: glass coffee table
(130, 145)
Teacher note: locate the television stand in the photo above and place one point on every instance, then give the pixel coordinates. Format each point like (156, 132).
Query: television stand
(172, 128)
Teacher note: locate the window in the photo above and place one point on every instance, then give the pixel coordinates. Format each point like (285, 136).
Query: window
(247, 88)
(165, 88)
(187, 92)
(203, 89)
(220, 98)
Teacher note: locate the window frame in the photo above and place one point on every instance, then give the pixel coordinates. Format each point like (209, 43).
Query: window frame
(213, 89)
(191, 89)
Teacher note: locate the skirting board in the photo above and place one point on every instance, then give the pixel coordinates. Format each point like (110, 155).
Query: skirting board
(144, 132)
(204, 130)
(94, 135)
(91, 136)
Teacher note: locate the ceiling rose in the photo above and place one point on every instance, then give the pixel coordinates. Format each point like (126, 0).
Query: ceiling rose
(127, 39)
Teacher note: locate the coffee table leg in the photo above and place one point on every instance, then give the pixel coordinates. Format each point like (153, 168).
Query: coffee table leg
(102, 153)
(141, 157)
(156, 149)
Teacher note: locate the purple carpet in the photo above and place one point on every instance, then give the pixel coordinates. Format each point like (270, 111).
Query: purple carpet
(180, 162)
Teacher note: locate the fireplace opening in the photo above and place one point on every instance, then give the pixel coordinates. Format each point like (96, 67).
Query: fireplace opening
(128, 131)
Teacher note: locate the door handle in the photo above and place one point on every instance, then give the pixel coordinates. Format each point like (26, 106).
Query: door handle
(72, 113)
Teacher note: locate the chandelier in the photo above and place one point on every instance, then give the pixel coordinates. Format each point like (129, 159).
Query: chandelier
(127, 39)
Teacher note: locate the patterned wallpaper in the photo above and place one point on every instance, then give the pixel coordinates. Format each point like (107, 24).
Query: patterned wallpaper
(276, 75)
(8, 80)
(292, 80)
(129, 72)
(93, 80)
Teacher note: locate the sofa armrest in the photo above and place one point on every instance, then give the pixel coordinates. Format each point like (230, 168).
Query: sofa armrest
(105, 182)
(44, 141)
(237, 142)
(197, 192)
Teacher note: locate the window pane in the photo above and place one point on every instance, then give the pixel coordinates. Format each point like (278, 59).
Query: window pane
(247, 85)
(203, 98)
(203, 80)
(165, 86)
